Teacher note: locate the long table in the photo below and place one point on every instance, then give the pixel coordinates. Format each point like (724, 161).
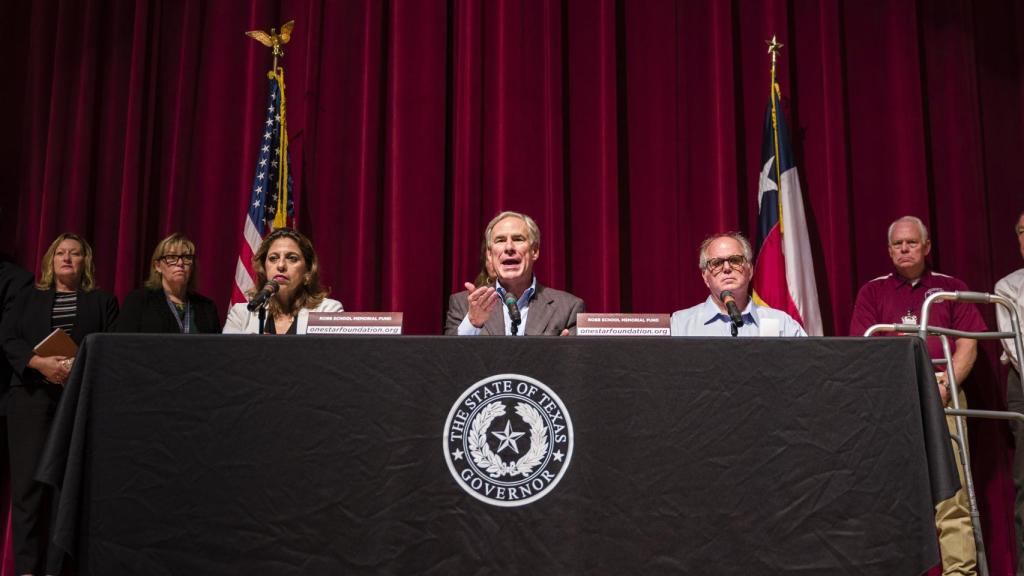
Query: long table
(352, 455)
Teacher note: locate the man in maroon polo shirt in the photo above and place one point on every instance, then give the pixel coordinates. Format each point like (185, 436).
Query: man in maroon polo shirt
(897, 298)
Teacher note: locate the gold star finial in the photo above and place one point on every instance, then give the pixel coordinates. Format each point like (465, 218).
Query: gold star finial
(773, 46)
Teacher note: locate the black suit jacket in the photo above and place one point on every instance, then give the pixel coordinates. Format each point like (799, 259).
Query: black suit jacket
(13, 280)
(97, 312)
(146, 310)
(551, 311)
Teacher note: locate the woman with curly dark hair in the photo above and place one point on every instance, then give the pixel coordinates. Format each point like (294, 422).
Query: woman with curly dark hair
(286, 259)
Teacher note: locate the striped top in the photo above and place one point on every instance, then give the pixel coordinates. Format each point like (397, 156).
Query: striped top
(65, 310)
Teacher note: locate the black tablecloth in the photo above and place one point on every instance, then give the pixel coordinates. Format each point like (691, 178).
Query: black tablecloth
(325, 455)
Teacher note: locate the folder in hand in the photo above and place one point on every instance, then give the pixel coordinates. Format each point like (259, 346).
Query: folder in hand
(58, 343)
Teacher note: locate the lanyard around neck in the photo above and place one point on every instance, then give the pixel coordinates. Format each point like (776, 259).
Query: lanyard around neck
(183, 323)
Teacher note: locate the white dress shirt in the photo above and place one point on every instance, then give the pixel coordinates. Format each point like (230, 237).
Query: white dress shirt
(1012, 288)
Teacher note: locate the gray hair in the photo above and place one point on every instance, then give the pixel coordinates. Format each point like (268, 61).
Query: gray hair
(748, 252)
(532, 230)
(913, 220)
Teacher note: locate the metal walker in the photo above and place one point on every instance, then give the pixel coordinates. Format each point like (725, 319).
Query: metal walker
(923, 331)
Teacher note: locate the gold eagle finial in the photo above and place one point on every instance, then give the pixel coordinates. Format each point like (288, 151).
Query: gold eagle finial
(274, 40)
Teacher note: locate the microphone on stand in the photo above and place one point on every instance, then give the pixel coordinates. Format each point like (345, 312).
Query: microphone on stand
(513, 311)
(261, 298)
(734, 312)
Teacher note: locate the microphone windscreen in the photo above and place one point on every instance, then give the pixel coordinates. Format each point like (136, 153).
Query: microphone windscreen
(513, 307)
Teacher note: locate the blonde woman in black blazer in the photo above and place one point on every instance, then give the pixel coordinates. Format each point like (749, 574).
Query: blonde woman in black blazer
(64, 297)
(169, 302)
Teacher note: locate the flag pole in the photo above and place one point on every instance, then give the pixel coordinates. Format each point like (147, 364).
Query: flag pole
(276, 42)
(784, 275)
(774, 47)
(270, 196)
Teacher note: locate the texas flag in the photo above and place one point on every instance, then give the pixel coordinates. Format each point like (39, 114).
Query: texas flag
(784, 276)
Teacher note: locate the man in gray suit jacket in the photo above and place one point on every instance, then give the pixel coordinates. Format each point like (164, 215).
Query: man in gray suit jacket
(516, 300)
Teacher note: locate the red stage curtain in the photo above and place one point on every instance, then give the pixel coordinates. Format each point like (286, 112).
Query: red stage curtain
(629, 130)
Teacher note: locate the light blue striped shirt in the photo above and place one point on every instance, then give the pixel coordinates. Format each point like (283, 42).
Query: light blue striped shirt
(705, 319)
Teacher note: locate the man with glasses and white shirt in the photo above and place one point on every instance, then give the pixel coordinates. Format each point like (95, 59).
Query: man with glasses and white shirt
(1012, 287)
(726, 264)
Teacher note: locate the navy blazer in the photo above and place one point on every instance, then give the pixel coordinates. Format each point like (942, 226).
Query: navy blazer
(96, 312)
(146, 310)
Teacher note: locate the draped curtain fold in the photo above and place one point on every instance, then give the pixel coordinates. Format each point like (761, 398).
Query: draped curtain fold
(629, 130)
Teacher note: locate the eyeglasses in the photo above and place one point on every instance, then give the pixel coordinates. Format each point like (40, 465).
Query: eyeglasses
(171, 259)
(715, 265)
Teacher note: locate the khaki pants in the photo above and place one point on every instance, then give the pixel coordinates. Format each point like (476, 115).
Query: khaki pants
(953, 518)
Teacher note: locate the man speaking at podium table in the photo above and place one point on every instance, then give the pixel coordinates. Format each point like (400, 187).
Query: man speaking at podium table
(726, 264)
(516, 304)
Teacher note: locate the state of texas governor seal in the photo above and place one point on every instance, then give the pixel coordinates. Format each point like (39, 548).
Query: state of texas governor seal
(508, 440)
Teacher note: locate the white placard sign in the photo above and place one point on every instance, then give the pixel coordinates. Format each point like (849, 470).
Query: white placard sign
(362, 323)
(622, 325)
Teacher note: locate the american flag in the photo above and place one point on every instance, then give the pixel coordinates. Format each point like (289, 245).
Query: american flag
(270, 203)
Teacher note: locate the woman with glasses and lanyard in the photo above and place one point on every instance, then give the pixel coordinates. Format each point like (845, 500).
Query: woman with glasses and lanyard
(169, 303)
(64, 298)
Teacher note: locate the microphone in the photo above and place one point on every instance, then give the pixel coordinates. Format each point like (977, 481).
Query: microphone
(513, 311)
(730, 305)
(269, 289)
